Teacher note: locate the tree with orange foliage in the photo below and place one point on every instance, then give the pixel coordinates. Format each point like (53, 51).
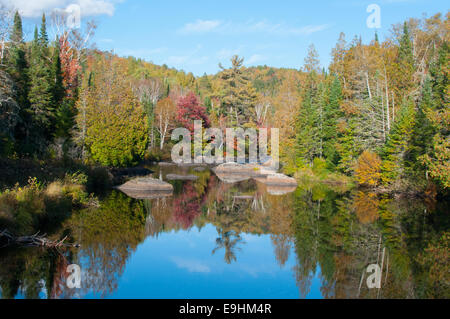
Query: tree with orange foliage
(368, 169)
(70, 65)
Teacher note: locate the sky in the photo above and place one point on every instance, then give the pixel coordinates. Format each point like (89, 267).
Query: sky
(196, 35)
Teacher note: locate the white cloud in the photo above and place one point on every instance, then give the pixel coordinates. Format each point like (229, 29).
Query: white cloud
(191, 265)
(224, 28)
(200, 26)
(34, 8)
(256, 58)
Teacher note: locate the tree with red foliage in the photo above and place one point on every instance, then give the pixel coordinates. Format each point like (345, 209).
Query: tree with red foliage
(70, 65)
(189, 110)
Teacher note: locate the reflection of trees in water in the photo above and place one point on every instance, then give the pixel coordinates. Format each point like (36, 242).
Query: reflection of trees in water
(282, 247)
(35, 273)
(343, 234)
(340, 234)
(108, 235)
(186, 206)
(229, 241)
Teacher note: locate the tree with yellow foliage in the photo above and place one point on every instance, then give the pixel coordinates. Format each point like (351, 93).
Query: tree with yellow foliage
(368, 170)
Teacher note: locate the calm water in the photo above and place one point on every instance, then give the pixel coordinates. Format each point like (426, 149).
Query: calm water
(212, 239)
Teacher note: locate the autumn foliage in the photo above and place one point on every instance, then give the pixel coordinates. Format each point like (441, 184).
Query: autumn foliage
(368, 169)
(189, 110)
(70, 65)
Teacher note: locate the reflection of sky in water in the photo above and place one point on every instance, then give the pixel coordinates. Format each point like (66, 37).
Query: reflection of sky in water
(181, 265)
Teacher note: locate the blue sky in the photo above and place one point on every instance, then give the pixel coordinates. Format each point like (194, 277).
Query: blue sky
(196, 35)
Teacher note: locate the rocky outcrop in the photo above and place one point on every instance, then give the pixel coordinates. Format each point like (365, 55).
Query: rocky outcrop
(232, 178)
(146, 187)
(175, 177)
(280, 190)
(166, 164)
(278, 183)
(279, 180)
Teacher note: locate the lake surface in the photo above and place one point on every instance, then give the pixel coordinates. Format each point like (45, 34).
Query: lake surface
(213, 239)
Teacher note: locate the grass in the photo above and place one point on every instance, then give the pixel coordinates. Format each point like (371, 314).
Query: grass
(310, 176)
(42, 207)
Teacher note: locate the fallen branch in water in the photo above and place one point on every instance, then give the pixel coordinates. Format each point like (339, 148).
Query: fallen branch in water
(33, 240)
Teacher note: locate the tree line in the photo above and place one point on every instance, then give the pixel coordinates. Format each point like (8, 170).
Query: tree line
(379, 112)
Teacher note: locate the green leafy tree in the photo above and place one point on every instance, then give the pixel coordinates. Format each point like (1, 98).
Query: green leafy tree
(110, 119)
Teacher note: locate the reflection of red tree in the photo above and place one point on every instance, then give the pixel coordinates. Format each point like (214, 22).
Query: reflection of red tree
(60, 276)
(186, 206)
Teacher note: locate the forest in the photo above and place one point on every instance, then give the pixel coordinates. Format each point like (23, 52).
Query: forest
(378, 115)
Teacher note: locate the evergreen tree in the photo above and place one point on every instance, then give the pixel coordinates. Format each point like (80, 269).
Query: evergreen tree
(346, 146)
(308, 125)
(58, 87)
(423, 130)
(41, 94)
(238, 95)
(207, 103)
(376, 38)
(405, 63)
(331, 115)
(17, 67)
(64, 107)
(437, 161)
(16, 36)
(396, 148)
(405, 51)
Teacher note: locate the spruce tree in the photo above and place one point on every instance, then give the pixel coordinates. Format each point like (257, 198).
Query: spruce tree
(41, 94)
(331, 115)
(405, 63)
(437, 159)
(346, 146)
(395, 151)
(17, 32)
(17, 64)
(58, 87)
(423, 130)
(308, 125)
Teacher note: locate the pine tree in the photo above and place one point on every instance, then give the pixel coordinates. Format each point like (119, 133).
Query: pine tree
(17, 67)
(396, 148)
(405, 63)
(41, 94)
(64, 107)
(16, 36)
(346, 146)
(237, 94)
(437, 159)
(405, 51)
(58, 87)
(17, 63)
(308, 137)
(331, 115)
(423, 130)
